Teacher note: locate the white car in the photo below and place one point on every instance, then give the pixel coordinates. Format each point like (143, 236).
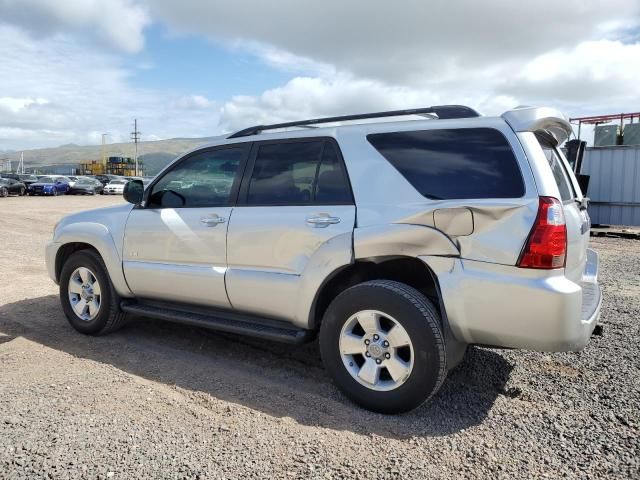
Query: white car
(115, 187)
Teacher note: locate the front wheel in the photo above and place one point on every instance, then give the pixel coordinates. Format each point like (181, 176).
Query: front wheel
(21, 193)
(382, 343)
(4, 192)
(88, 298)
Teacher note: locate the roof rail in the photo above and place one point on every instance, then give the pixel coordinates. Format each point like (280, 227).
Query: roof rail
(442, 111)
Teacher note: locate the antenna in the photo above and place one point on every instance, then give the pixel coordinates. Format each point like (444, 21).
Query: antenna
(135, 137)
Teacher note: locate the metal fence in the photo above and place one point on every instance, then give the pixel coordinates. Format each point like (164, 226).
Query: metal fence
(614, 187)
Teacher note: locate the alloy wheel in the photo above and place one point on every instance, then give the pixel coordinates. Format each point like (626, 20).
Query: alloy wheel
(376, 350)
(84, 294)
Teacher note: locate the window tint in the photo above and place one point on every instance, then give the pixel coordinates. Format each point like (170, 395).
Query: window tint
(202, 180)
(454, 163)
(297, 173)
(559, 173)
(331, 186)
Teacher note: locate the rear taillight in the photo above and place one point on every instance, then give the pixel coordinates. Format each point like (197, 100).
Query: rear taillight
(546, 246)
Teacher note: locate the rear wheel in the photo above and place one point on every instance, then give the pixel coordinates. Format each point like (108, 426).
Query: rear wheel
(382, 343)
(88, 298)
(21, 193)
(4, 192)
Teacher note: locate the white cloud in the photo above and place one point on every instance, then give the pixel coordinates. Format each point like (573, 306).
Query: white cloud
(357, 56)
(118, 22)
(57, 90)
(344, 57)
(14, 105)
(408, 42)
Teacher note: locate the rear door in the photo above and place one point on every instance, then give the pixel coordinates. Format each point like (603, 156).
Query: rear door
(576, 216)
(294, 198)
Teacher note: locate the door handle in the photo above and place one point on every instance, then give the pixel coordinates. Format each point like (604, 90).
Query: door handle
(212, 220)
(322, 220)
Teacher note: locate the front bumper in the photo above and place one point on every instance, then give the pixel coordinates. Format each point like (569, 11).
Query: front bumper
(505, 306)
(50, 253)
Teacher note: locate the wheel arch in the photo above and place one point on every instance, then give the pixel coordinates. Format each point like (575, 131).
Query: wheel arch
(405, 269)
(96, 237)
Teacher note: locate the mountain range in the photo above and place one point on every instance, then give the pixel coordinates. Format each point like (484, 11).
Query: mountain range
(154, 154)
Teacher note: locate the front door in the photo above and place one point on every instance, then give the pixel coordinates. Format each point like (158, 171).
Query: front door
(294, 200)
(175, 244)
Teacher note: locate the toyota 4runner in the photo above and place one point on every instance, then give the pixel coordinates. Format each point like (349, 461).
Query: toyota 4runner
(396, 243)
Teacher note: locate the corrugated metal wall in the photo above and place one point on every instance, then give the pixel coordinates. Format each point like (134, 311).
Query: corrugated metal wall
(614, 188)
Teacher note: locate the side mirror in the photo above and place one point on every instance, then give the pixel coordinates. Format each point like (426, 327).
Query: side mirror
(133, 191)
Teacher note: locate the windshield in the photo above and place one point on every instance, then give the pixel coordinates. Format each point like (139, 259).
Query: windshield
(118, 182)
(47, 180)
(87, 181)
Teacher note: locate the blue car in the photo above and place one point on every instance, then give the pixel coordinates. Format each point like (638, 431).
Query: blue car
(50, 186)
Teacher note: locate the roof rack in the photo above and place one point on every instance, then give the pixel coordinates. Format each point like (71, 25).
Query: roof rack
(442, 111)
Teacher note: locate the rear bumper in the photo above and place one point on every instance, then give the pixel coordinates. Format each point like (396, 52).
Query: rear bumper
(511, 307)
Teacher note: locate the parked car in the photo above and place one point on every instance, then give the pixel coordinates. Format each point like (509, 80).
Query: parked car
(14, 176)
(72, 180)
(469, 230)
(28, 179)
(9, 186)
(105, 179)
(86, 186)
(115, 186)
(50, 185)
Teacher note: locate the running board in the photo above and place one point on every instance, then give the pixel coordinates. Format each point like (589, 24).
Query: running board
(214, 319)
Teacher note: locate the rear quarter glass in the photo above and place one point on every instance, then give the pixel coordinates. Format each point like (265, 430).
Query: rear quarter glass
(454, 163)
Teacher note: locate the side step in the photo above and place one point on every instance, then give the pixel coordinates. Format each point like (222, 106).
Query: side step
(231, 322)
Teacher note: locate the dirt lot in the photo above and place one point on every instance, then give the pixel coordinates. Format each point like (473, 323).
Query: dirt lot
(164, 401)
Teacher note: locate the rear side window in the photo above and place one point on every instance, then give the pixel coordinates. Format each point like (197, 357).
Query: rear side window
(559, 172)
(298, 173)
(454, 163)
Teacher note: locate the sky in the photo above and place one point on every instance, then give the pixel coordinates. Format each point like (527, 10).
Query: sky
(71, 70)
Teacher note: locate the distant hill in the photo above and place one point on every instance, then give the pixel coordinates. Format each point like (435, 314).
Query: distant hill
(155, 155)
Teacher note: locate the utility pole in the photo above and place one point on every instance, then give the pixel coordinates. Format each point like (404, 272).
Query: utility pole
(135, 136)
(104, 153)
(21, 164)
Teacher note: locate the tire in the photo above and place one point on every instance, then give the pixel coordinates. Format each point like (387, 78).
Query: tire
(395, 304)
(4, 192)
(21, 193)
(55, 192)
(109, 317)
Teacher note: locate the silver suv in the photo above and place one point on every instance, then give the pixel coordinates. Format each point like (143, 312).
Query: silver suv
(396, 243)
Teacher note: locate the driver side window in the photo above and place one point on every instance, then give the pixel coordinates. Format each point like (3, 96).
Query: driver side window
(204, 179)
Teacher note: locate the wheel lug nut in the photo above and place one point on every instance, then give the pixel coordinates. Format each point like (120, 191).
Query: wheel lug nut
(387, 355)
(378, 361)
(376, 337)
(367, 354)
(385, 343)
(367, 342)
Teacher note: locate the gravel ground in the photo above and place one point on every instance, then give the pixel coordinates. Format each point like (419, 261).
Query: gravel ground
(164, 401)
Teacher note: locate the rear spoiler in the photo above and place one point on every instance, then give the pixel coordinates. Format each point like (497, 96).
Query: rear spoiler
(533, 119)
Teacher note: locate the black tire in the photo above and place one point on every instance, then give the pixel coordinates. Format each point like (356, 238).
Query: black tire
(110, 317)
(4, 192)
(418, 317)
(55, 192)
(21, 193)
